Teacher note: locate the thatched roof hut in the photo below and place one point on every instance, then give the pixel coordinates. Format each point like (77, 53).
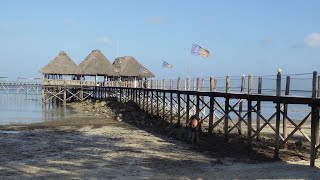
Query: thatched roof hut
(96, 64)
(128, 66)
(61, 65)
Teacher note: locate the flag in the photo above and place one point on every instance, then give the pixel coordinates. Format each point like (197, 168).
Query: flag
(198, 50)
(143, 70)
(167, 65)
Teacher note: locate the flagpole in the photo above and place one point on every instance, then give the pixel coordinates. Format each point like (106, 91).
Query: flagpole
(189, 68)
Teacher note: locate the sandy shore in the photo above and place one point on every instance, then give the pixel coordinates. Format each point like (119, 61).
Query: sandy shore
(104, 148)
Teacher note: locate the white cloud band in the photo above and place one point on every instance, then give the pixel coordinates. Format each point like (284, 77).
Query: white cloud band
(312, 40)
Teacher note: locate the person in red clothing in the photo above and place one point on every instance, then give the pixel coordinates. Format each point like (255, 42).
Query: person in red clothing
(194, 124)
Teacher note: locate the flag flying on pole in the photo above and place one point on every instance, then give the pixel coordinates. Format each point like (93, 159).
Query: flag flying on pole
(198, 50)
(167, 65)
(142, 70)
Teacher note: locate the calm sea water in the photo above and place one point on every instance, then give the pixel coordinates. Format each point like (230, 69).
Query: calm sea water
(26, 109)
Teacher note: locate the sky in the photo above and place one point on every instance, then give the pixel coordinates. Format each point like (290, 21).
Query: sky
(244, 37)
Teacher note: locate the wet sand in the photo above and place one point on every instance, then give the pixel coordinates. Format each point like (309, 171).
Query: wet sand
(101, 147)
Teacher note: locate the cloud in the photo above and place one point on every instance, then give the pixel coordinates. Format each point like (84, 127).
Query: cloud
(312, 40)
(104, 41)
(156, 20)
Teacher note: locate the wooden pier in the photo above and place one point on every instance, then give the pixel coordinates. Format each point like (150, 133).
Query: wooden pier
(239, 113)
(21, 85)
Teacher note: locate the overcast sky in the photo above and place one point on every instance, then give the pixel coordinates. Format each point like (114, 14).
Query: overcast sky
(243, 37)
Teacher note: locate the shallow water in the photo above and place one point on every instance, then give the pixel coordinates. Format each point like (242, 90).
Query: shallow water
(26, 109)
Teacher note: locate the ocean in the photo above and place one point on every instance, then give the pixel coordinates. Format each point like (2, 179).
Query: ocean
(26, 109)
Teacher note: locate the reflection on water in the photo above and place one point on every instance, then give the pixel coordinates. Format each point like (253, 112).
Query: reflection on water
(25, 109)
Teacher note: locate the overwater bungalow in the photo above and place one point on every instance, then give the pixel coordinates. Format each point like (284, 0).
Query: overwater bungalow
(95, 65)
(130, 70)
(61, 67)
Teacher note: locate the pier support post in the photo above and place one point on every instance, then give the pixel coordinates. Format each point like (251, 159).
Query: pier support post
(285, 110)
(151, 102)
(171, 103)
(178, 101)
(259, 108)
(198, 105)
(65, 97)
(179, 109)
(249, 111)
(314, 123)
(147, 100)
(226, 109)
(163, 107)
(226, 119)
(157, 95)
(314, 134)
(187, 108)
(211, 114)
(278, 114)
(241, 105)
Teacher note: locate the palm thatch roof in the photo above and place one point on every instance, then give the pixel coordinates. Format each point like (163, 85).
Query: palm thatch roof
(129, 66)
(62, 65)
(96, 64)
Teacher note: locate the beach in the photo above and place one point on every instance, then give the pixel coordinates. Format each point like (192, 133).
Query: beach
(110, 145)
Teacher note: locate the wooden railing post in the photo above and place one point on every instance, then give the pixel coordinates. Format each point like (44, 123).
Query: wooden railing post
(197, 108)
(151, 84)
(202, 98)
(211, 83)
(198, 84)
(157, 84)
(188, 83)
(227, 84)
